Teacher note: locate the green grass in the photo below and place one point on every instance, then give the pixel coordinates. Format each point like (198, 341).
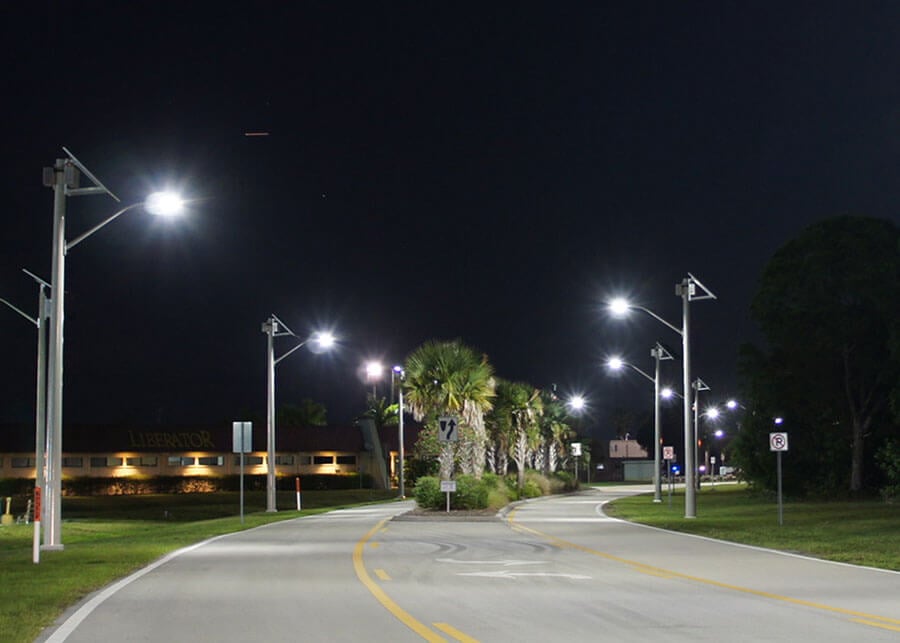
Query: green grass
(109, 537)
(860, 532)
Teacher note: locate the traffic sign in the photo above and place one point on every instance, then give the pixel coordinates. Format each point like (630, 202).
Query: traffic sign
(448, 428)
(242, 437)
(448, 486)
(668, 453)
(778, 442)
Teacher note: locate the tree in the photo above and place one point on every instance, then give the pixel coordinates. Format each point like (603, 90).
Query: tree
(381, 413)
(307, 413)
(555, 430)
(828, 305)
(449, 378)
(516, 413)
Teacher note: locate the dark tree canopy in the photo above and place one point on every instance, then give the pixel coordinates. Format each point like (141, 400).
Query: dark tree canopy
(828, 305)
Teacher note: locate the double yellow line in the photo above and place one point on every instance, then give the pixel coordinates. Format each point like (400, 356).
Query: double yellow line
(404, 617)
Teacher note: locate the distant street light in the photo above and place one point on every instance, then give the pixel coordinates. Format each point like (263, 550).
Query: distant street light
(687, 290)
(577, 403)
(274, 327)
(374, 371)
(658, 353)
(401, 374)
(64, 178)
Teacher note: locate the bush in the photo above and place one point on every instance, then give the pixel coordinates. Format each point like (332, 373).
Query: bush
(471, 493)
(566, 480)
(427, 493)
(531, 489)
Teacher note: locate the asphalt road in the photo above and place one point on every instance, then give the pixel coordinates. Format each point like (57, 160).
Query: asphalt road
(554, 569)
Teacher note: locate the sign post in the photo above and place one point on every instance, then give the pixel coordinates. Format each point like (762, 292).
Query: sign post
(668, 456)
(448, 487)
(298, 492)
(778, 442)
(242, 440)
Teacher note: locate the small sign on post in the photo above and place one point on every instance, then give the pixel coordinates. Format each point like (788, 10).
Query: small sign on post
(242, 441)
(448, 487)
(778, 442)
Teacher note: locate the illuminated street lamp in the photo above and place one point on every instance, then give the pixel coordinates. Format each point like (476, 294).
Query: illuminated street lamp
(658, 353)
(374, 371)
(64, 178)
(688, 291)
(274, 327)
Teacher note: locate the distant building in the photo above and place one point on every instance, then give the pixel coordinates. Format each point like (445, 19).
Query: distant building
(626, 449)
(121, 451)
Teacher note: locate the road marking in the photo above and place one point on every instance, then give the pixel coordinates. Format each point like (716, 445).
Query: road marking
(382, 575)
(874, 624)
(374, 545)
(455, 633)
(402, 615)
(515, 575)
(505, 563)
(650, 569)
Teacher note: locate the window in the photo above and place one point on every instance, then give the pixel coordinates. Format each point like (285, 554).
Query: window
(211, 460)
(323, 459)
(305, 459)
(143, 461)
(76, 462)
(22, 463)
(180, 461)
(248, 460)
(102, 461)
(346, 459)
(284, 459)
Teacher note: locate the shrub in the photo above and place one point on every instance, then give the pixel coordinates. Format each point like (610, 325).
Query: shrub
(531, 489)
(566, 479)
(427, 493)
(471, 493)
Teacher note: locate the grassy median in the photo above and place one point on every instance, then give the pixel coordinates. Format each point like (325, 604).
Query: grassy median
(107, 538)
(863, 532)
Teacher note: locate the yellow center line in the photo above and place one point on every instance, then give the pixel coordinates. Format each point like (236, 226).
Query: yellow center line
(650, 569)
(874, 624)
(382, 575)
(402, 615)
(455, 633)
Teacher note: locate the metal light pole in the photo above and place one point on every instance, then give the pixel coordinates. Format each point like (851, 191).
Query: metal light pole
(63, 177)
(687, 290)
(399, 371)
(40, 406)
(274, 327)
(698, 385)
(658, 353)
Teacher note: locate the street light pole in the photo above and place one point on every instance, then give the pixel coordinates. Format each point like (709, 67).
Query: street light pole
(658, 353)
(272, 328)
(399, 371)
(687, 290)
(63, 178)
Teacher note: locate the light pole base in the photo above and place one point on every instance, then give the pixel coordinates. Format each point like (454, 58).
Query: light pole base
(59, 547)
(271, 511)
(657, 500)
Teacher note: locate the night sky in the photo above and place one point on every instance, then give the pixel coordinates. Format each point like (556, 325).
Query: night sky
(489, 172)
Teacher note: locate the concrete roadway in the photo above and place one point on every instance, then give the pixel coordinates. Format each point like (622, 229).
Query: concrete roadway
(555, 569)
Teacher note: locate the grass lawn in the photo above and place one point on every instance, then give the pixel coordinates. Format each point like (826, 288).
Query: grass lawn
(863, 532)
(109, 537)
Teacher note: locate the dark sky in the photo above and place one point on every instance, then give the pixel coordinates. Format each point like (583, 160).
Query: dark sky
(491, 172)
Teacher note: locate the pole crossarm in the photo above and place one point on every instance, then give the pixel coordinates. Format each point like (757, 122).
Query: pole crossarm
(657, 317)
(102, 224)
(36, 322)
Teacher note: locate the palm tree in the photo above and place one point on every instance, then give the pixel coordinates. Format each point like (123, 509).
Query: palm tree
(554, 430)
(308, 413)
(449, 378)
(517, 413)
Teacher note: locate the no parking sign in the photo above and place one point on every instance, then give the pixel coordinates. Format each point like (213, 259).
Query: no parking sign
(778, 442)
